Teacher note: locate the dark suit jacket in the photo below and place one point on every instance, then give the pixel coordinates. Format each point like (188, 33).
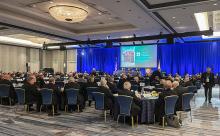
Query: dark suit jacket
(160, 104)
(73, 85)
(112, 87)
(12, 93)
(211, 82)
(30, 93)
(136, 100)
(180, 91)
(188, 83)
(121, 84)
(108, 97)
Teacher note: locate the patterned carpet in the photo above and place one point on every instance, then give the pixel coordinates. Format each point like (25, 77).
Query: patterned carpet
(206, 122)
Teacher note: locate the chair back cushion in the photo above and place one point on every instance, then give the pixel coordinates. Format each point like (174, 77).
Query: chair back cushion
(186, 97)
(47, 95)
(71, 95)
(99, 100)
(20, 95)
(4, 90)
(125, 103)
(89, 92)
(170, 103)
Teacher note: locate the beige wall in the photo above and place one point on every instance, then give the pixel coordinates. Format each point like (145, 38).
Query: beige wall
(55, 59)
(14, 58)
(71, 60)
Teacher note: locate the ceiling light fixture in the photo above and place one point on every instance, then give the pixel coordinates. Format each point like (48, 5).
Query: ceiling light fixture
(202, 20)
(215, 4)
(70, 14)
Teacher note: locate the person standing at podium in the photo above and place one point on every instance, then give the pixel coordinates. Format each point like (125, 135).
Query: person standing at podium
(208, 82)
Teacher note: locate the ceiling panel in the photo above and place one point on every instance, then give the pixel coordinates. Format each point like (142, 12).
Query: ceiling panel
(183, 20)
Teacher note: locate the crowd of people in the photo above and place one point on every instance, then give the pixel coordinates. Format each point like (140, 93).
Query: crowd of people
(107, 84)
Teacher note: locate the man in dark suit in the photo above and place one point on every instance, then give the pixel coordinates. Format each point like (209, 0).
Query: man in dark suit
(179, 91)
(108, 96)
(56, 94)
(32, 94)
(122, 80)
(208, 82)
(160, 103)
(80, 99)
(136, 105)
(6, 80)
(112, 86)
(136, 82)
(40, 80)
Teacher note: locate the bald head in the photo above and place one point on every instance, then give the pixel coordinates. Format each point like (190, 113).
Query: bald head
(175, 84)
(168, 84)
(103, 82)
(127, 85)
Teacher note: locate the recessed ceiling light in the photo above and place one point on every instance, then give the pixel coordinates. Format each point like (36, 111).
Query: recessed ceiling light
(51, 2)
(100, 13)
(215, 4)
(173, 17)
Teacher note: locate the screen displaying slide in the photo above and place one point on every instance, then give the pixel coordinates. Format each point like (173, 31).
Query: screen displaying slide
(139, 56)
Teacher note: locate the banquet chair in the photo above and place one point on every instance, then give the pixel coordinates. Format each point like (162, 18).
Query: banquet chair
(186, 98)
(47, 98)
(125, 103)
(89, 93)
(4, 92)
(71, 95)
(21, 98)
(170, 104)
(100, 102)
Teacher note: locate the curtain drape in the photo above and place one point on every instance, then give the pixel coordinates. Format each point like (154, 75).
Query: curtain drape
(181, 58)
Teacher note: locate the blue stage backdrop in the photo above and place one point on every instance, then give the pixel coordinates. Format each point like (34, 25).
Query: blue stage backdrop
(181, 58)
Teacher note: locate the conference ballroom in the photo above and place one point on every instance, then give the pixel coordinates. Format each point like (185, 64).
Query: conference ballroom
(109, 67)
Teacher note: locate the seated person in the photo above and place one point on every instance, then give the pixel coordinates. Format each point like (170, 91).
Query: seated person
(187, 82)
(122, 80)
(91, 82)
(135, 107)
(80, 99)
(179, 91)
(32, 94)
(108, 98)
(81, 79)
(56, 94)
(40, 80)
(6, 80)
(160, 103)
(155, 81)
(112, 85)
(137, 83)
